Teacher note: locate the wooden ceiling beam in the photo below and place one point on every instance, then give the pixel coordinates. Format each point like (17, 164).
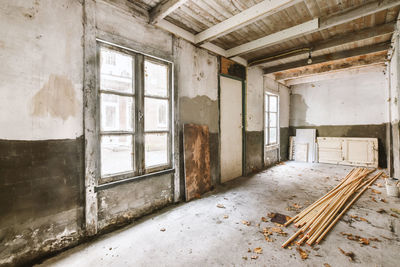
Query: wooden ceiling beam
(382, 47)
(342, 39)
(163, 9)
(244, 18)
(188, 36)
(309, 27)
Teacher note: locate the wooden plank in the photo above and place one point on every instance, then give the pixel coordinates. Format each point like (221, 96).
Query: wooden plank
(309, 27)
(196, 140)
(274, 38)
(164, 9)
(248, 16)
(358, 12)
(168, 26)
(347, 38)
(330, 57)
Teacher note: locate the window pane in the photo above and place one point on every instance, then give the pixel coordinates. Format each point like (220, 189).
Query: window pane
(115, 71)
(266, 136)
(155, 114)
(266, 103)
(272, 133)
(273, 103)
(116, 113)
(116, 154)
(156, 149)
(272, 120)
(155, 79)
(266, 119)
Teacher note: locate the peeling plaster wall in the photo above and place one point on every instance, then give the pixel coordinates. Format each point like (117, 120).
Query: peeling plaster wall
(197, 77)
(257, 156)
(126, 202)
(353, 106)
(41, 144)
(394, 93)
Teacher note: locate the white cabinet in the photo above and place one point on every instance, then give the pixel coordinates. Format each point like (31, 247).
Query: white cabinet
(348, 151)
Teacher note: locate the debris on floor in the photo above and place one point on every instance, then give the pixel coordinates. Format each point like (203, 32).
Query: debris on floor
(220, 206)
(316, 220)
(278, 218)
(350, 254)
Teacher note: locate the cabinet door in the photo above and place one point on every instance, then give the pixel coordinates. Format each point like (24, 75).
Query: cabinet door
(330, 150)
(361, 151)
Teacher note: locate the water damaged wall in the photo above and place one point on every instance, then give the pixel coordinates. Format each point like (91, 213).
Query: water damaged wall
(349, 104)
(197, 77)
(41, 143)
(257, 155)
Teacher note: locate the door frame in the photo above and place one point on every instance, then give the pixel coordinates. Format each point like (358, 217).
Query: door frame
(243, 81)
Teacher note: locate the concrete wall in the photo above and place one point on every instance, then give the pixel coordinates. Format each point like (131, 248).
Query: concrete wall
(42, 160)
(394, 111)
(258, 156)
(352, 105)
(41, 144)
(197, 77)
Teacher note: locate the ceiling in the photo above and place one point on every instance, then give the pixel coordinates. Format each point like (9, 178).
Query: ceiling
(195, 16)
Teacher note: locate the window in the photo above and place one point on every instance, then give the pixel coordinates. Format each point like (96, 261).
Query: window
(270, 119)
(134, 99)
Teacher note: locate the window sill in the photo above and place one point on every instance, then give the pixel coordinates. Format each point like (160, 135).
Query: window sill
(131, 179)
(271, 147)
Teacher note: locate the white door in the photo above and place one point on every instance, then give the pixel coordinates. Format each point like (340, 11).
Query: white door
(231, 128)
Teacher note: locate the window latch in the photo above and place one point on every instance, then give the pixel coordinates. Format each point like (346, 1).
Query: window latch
(140, 116)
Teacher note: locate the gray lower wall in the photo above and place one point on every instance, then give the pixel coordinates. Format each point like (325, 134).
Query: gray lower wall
(254, 151)
(41, 197)
(284, 143)
(371, 131)
(126, 202)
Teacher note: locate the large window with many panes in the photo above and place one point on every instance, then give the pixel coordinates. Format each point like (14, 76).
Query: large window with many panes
(135, 113)
(271, 119)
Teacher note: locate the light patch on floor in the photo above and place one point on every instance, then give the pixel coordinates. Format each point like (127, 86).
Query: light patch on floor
(200, 233)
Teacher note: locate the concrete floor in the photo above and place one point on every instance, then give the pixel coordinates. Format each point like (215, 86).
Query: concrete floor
(196, 233)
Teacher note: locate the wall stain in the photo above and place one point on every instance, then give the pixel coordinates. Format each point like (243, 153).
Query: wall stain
(298, 110)
(57, 98)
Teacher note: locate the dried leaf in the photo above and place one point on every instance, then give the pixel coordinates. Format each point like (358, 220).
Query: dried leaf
(363, 219)
(276, 229)
(162, 229)
(271, 215)
(381, 211)
(326, 265)
(394, 215)
(254, 257)
(246, 223)
(258, 250)
(220, 206)
(383, 200)
(226, 216)
(379, 185)
(244, 257)
(354, 216)
(364, 241)
(396, 211)
(374, 239)
(302, 253)
(373, 199)
(351, 255)
(376, 191)
(264, 219)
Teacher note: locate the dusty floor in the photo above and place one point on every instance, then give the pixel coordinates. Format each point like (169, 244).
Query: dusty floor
(196, 233)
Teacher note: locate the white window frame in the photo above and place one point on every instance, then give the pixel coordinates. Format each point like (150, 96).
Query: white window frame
(266, 112)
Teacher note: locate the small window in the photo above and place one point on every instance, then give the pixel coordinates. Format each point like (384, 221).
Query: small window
(271, 119)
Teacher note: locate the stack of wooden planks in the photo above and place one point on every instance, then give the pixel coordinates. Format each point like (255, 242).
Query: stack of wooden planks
(316, 220)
